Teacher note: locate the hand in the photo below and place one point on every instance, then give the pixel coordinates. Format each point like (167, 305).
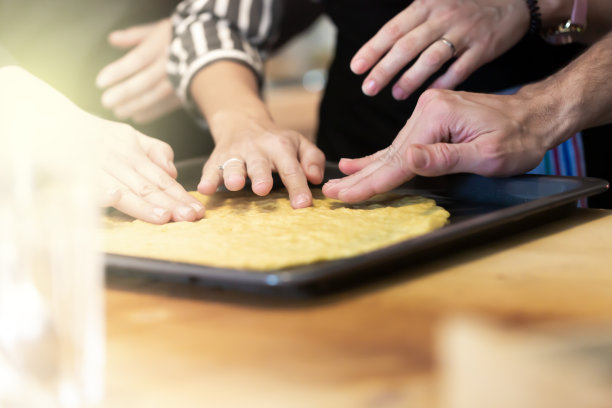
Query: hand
(480, 31)
(136, 173)
(137, 86)
(261, 148)
(453, 132)
(138, 176)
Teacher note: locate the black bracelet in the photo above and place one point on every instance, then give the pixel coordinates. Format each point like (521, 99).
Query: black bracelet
(535, 23)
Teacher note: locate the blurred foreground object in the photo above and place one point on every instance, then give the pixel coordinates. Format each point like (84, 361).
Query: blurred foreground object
(487, 365)
(51, 304)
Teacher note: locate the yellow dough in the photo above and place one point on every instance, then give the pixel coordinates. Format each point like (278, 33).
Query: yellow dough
(245, 231)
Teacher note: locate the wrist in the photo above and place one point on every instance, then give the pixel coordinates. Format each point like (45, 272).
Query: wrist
(232, 122)
(547, 114)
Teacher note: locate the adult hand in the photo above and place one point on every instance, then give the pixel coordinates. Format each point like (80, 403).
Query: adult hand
(453, 132)
(137, 86)
(261, 147)
(138, 176)
(135, 172)
(476, 32)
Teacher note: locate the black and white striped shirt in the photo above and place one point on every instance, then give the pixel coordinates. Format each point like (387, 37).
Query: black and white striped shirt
(205, 31)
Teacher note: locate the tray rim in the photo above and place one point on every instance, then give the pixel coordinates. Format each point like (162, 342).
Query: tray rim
(304, 275)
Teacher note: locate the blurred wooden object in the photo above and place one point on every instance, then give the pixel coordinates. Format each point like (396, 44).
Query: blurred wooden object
(485, 365)
(176, 344)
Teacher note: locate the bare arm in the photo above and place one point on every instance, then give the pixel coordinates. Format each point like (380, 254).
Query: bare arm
(216, 65)
(576, 98)
(491, 135)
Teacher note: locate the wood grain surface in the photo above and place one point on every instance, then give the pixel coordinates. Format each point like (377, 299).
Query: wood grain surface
(183, 345)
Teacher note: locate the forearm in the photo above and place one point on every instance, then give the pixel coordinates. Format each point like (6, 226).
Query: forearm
(225, 91)
(599, 17)
(576, 98)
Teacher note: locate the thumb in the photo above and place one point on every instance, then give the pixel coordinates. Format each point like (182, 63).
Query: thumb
(444, 158)
(129, 37)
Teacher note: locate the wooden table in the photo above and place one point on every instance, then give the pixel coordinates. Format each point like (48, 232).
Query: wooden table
(181, 345)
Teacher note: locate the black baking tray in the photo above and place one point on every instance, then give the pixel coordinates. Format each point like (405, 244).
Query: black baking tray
(481, 208)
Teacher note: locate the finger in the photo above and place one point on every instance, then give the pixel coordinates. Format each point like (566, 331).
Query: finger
(293, 177)
(259, 170)
(138, 84)
(428, 63)
(159, 152)
(447, 158)
(173, 195)
(131, 36)
(461, 69)
(350, 166)
(404, 50)
(139, 178)
(382, 175)
(136, 207)
(211, 177)
(312, 160)
(234, 175)
(384, 39)
(132, 62)
(149, 105)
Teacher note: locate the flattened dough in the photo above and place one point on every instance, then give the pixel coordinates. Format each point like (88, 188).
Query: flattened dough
(244, 231)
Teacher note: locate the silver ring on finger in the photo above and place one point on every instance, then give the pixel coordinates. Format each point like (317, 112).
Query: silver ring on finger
(449, 44)
(228, 161)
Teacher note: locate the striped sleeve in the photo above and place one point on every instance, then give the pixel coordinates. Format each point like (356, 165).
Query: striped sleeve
(205, 31)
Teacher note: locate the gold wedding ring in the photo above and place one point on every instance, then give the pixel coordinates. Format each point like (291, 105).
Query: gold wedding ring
(449, 44)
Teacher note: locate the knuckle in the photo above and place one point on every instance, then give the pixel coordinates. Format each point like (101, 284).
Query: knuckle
(290, 171)
(403, 47)
(433, 58)
(430, 96)
(288, 142)
(392, 30)
(166, 183)
(145, 190)
(393, 158)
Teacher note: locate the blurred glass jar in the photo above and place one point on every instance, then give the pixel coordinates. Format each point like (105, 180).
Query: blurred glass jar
(51, 280)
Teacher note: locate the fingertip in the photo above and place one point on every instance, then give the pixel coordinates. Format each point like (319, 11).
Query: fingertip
(206, 187)
(302, 200)
(115, 36)
(184, 213)
(199, 209)
(398, 93)
(328, 190)
(369, 87)
(103, 79)
(235, 182)
(109, 98)
(161, 216)
(359, 66)
(110, 198)
(315, 174)
(344, 163)
(262, 188)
